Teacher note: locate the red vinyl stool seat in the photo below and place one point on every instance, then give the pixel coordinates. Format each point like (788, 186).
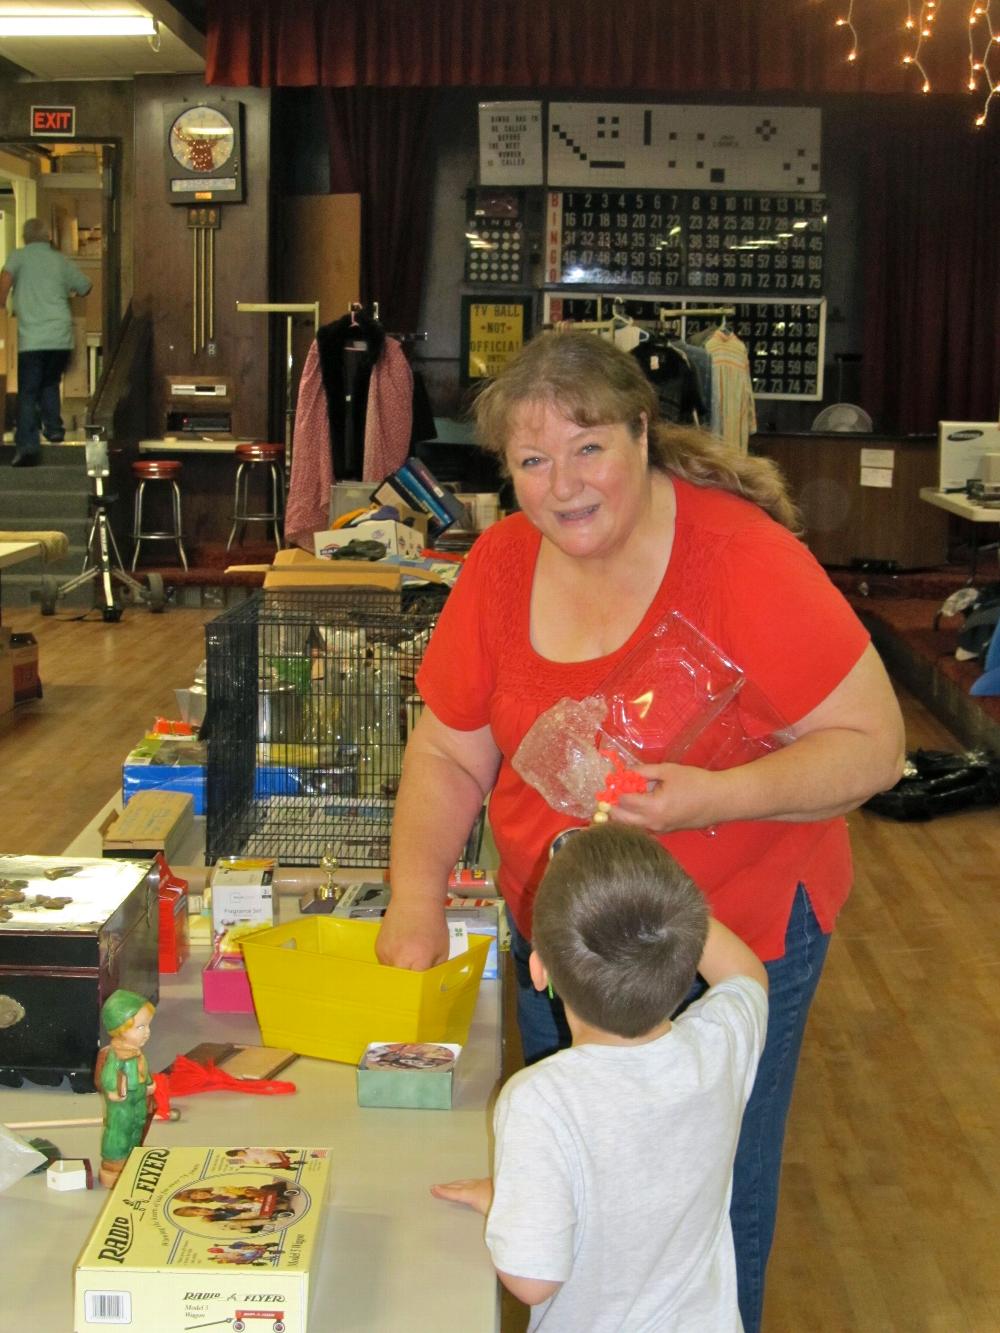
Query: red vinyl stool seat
(248, 457)
(147, 473)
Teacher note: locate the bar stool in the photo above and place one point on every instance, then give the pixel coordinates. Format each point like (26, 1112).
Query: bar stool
(270, 456)
(144, 473)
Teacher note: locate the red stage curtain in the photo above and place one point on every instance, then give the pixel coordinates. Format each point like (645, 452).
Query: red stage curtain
(671, 47)
(931, 270)
(380, 148)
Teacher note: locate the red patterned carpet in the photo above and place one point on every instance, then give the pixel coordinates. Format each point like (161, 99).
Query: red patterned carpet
(900, 611)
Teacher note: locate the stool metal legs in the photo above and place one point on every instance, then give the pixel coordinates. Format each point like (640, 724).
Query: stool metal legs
(139, 536)
(275, 497)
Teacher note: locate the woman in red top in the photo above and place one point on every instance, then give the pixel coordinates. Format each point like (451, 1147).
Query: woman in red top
(622, 521)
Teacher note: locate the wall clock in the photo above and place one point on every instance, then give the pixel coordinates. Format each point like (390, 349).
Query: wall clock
(204, 152)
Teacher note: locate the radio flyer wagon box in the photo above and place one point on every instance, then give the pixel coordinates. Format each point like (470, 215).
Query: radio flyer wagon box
(199, 1237)
(71, 932)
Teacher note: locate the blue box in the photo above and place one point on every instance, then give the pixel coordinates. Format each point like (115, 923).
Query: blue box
(166, 763)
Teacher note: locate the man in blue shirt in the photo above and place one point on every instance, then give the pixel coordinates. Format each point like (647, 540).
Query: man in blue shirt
(43, 281)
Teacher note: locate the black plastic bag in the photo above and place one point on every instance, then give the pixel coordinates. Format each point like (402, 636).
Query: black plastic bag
(937, 782)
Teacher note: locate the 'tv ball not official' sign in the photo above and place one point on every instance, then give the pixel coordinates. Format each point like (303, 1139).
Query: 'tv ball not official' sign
(53, 122)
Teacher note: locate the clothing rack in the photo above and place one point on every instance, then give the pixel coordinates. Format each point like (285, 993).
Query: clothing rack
(604, 327)
(682, 312)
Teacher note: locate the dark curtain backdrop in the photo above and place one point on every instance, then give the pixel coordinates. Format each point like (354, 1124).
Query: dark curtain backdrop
(380, 147)
(673, 47)
(931, 234)
(930, 210)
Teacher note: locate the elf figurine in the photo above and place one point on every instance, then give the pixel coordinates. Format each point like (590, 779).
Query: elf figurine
(122, 1077)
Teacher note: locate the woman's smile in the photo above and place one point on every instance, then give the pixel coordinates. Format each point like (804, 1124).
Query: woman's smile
(583, 487)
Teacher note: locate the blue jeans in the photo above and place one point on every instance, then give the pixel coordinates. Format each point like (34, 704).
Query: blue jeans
(38, 376)
(757, 1169)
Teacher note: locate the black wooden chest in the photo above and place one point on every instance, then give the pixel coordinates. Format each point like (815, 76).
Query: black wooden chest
(60, 962)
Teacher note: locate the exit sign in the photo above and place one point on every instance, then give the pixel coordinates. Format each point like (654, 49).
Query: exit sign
(53, 122)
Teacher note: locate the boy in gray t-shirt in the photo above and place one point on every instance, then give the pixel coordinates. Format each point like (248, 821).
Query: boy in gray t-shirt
(609, 1205)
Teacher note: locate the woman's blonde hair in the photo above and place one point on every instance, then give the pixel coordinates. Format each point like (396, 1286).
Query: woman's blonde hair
(593, 383)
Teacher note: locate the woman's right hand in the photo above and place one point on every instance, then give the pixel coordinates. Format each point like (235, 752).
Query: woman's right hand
(413, 937)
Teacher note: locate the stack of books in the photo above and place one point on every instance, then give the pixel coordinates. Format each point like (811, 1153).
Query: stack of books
(416, 487)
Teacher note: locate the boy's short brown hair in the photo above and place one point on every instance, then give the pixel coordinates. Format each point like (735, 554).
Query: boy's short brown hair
(620, 927)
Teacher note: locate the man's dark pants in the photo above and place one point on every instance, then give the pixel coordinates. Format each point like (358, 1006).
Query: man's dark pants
(38, 376)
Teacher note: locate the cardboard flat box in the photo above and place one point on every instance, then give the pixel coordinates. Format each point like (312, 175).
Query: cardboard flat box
(153, 821)
(397, 538)
(295, 568)
(243, 1253)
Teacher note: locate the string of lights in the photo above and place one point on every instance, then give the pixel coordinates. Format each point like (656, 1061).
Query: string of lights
(847, 21)
(921, 29)
(918, 29)
(984, 61)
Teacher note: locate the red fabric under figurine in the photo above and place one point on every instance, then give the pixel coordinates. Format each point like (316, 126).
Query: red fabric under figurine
(186, 1077)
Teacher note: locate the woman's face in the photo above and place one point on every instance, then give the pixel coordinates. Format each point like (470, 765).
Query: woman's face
(583, 487)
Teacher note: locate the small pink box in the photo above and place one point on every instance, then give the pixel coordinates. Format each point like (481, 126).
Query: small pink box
(225, 986)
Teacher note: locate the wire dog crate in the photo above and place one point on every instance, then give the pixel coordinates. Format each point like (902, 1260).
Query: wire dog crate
(310, 700)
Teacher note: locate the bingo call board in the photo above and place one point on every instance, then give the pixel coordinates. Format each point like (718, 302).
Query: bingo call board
(689, 241)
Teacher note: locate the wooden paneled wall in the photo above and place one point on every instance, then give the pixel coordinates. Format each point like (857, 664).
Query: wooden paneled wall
(846, 516)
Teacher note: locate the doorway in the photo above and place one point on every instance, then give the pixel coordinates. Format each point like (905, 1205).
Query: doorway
(73, 187)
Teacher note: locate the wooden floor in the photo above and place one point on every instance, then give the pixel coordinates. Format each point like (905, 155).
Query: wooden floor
(890, 1208)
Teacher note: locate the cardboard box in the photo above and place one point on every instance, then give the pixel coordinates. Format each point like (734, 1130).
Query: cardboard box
(225, 987)
(153, 821)
(166, 763)
(148, 1264)
(243, 892)
(295, 568)
(962, 450)
(414, 1075)
(397, 538)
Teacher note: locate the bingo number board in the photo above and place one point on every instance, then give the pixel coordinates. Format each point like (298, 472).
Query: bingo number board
(494, 250)
(687, 241)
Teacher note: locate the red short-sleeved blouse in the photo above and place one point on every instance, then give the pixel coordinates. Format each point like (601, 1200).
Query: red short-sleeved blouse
(756, 592)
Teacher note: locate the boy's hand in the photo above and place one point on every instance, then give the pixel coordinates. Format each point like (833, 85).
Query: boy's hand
(476, 1194)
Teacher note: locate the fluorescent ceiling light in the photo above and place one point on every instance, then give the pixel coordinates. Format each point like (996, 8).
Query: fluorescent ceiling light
(79, 23)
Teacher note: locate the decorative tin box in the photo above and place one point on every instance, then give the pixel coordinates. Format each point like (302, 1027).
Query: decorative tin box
(414, 1074)
(71, 932)
(206, 1238)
